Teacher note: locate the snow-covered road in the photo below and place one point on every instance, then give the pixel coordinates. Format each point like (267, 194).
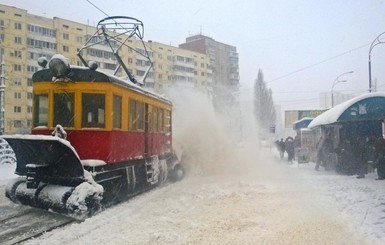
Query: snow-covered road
(250, 199)
(236, 195)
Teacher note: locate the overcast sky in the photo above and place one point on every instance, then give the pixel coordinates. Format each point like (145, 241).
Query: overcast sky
(301, 46)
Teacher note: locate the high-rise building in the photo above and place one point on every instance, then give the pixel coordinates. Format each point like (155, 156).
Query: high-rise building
(325, 99)
(224, 61)
(25, 37)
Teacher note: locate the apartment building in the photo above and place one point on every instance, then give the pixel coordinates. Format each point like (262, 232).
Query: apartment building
(224, 62)
(179, 67)
(25, 37)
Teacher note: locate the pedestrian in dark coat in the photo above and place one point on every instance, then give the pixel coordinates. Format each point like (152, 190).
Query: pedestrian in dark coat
(281, 148)
(360, 157)
(289, 147)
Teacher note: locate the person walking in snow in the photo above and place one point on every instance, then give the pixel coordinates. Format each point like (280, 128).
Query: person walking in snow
(281, 146)
(289, 147)
(360, 157)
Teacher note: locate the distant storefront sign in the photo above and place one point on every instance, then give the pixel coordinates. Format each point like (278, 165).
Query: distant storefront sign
(295, 115)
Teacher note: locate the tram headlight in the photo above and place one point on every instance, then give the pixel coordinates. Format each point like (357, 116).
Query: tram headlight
(59, 66)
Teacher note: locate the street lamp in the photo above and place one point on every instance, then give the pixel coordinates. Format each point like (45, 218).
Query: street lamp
(338, 81)
(370, 63)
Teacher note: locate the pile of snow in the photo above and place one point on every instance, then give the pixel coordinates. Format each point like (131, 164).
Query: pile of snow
(7, 172)
(87, 192)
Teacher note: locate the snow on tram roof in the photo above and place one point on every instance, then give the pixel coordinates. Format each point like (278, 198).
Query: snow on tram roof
(132, 86)
(333, 114)
(81, 73)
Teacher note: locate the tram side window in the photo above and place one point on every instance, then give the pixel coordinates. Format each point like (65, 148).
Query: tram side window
(155, 119)
(64, 109)
(136, 115)
(93, 110)
(132, 115)
(160, 120)
(140, 111)
(167, 123)
(41, 110)
(117, 112)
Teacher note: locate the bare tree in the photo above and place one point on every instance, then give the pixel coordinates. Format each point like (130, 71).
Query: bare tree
(263, 103)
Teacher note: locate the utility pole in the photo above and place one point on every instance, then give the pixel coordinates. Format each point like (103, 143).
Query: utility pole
(374, 43)
(2, 90)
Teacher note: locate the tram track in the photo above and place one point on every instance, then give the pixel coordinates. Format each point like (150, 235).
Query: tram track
(20, 223)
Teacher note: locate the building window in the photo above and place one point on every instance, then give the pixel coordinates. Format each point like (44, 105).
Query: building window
(29, 95)
(66, 48)
(17, 109)
(66, 36)
(17, 26)
(29, 82)
(140, 73)
(40, 44)
(16, 67)
(41, 30)
(117, 112)
(93, 110)
(17, 81)
(109, 66)
(29, 109)
(17, 95)
(18, 40)
(17, 54)
(17, 124)
(180, 58)
(79, 39)
(32, 69)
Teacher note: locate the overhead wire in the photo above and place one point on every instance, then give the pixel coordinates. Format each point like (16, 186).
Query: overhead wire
(318, 63)
(97, 8)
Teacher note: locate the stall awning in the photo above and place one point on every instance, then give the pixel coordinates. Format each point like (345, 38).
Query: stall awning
(370, 106)
(302, 123)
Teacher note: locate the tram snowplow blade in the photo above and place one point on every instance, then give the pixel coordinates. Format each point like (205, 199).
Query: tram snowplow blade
(54, 176)
(47, 159)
